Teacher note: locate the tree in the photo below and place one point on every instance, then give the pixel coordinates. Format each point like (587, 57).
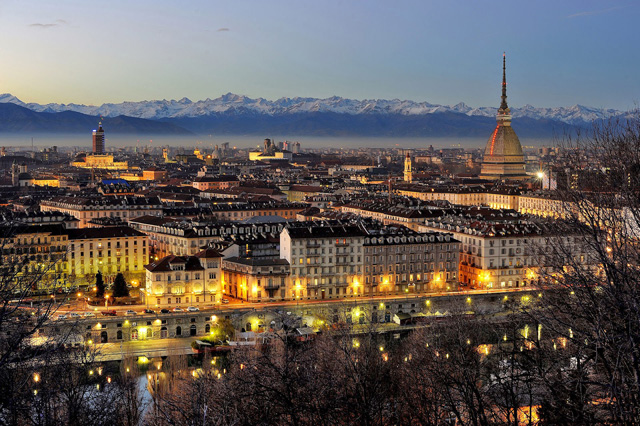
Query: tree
(22, 316)
(99, 285)
(120, 288)
(596, 305)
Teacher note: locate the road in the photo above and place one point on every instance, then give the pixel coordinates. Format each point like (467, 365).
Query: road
(235, 304)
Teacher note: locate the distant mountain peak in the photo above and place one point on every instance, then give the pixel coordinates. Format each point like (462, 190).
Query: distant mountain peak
(231, 103)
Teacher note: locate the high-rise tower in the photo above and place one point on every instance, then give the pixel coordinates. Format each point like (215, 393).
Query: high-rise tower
(503, 158)
(98, 140)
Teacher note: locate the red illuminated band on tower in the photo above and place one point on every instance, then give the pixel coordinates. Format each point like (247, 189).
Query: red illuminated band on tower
(493, 138)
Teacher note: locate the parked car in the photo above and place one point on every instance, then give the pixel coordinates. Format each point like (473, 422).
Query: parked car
(192, 309)
(148, 311)
(89, 314)
(165, 311)
(74, 315)
(111, 313)
(225, 301)
(62, 317)
(178, 310)
(130, 312)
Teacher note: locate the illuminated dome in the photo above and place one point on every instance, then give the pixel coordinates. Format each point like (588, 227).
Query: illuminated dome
(503, 157)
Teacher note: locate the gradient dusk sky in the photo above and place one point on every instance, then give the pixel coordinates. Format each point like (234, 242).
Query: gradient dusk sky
(559, 53)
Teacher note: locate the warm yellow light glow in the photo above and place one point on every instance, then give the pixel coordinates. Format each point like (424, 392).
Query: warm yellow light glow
(36, 377)
(214, 318)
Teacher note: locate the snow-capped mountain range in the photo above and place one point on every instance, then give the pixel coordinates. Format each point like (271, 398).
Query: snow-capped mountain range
(231, 104)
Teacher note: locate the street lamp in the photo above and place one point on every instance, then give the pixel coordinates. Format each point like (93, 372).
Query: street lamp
(540, 175)
(106, 299)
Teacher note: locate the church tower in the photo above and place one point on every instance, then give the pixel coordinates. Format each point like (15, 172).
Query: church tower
(408, 174)
(503, 157)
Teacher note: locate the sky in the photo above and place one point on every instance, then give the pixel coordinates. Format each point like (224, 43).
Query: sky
(559, 53)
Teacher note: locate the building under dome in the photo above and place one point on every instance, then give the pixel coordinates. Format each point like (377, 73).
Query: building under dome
(503, 157)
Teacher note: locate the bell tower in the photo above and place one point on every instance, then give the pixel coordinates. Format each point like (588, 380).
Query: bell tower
(408, 173)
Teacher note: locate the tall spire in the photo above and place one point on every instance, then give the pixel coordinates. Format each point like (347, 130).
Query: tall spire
(504, 108)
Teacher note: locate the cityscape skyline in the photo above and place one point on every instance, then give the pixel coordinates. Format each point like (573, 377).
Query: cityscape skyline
(559, 55)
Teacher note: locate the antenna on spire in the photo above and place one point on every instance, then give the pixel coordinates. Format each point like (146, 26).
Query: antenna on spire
(504, 108)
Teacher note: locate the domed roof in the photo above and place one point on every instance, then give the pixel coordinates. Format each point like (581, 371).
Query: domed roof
(503, 145)
(24, 176)
(503, 157)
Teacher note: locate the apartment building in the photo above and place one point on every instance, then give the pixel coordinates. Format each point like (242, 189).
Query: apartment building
(175, 281)
(326, 259)
(505, 252)
(256, 279)
(109, 250)
(187, 237)
(398, 260)
(34, 256)
(86, 209)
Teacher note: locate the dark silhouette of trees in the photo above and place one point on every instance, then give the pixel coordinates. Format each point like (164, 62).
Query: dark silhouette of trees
(99, 285)
(596, 307)
(120, 288)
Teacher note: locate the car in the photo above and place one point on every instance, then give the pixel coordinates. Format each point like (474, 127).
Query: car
(178, 310)
(62, 317)
(74, 315)
(130, 312)
(225, 301)
(192, 309)
(165, 311)
(89, 314)
(148, 311)
(111, 313)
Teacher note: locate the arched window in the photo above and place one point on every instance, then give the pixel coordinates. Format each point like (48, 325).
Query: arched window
(248, 326)
(119, 335)
(178, 331)
(207, 328)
